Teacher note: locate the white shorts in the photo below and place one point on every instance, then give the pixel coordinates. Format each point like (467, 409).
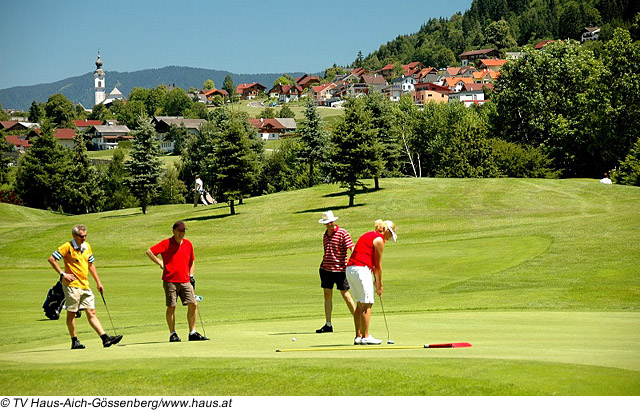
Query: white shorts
(361, 283)
(76, 299)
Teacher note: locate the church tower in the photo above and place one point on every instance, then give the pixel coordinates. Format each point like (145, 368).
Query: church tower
(99, 82)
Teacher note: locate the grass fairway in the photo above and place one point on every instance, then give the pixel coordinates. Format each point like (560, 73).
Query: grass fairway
(541, 276)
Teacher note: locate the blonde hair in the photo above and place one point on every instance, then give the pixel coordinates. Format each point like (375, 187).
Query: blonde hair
(383, 226)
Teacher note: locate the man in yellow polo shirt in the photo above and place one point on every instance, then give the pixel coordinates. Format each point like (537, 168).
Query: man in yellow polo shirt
(78, 262)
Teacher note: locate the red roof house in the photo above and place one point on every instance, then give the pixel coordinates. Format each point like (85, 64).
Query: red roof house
(250, 91)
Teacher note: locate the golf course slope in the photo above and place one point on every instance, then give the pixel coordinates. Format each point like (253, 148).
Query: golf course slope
(542, 277)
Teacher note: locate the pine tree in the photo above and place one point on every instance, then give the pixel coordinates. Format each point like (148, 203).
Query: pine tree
(313, 138)
(233, 165)
(42, 171)
(228, 86)
(354, 148)
(82, 189)
(117, 194)
(144, 167)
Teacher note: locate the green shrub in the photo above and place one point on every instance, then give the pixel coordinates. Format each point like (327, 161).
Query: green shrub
(522, 161)
(629, 172)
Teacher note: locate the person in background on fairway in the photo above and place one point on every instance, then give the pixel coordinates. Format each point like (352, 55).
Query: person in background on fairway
(198, 189)
(78, 262)
(336, 242)
(177, 266)
(366, 259)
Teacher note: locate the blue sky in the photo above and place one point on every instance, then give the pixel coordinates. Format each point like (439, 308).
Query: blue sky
(42, 41)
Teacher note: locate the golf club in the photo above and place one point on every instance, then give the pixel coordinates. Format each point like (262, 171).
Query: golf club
(199, 299)
(107, 309)
(389, 341)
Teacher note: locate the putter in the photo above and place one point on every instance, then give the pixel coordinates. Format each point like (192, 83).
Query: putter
(105, 306)
(389, 341)
(199, 299)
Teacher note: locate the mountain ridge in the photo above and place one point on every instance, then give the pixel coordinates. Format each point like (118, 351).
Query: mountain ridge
(79, 89)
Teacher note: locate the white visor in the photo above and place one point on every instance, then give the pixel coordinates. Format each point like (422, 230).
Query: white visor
(395, 237)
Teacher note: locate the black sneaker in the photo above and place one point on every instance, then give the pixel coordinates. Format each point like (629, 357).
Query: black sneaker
(196, 336)
(111, 340)
(77, 345)
(325, 329)
(174, 337)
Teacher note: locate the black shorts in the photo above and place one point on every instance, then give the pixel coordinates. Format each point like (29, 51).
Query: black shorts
(328, 278)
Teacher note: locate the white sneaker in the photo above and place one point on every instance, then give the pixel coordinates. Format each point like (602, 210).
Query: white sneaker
(357, 341)
(370, 340)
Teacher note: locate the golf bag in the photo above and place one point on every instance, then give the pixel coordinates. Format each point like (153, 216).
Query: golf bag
(207, 199)
(54, 301)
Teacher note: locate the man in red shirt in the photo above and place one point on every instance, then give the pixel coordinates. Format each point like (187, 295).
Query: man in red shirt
(177, 266)
(336, 242)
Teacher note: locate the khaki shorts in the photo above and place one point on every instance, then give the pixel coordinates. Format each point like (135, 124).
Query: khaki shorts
(172, 290)
(76, 299)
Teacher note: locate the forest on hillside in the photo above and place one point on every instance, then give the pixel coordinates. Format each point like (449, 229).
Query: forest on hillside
(506, 25)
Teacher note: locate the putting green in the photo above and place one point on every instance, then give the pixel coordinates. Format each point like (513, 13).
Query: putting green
(607, 339)
(540, 276)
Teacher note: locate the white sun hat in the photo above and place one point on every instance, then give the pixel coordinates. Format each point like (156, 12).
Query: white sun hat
(327, 217)
(389, 225)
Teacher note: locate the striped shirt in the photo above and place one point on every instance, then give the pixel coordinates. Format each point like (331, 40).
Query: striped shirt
(335, 250)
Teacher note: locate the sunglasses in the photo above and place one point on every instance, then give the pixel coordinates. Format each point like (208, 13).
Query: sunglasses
(81, 236)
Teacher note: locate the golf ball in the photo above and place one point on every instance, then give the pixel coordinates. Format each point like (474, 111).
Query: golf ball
(293, 339)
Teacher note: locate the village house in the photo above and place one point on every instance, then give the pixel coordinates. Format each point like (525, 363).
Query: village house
(250, 91)
(20, 142)
(108, 136)
(406, 83)
(422, 74)
(470, 57)
(18, 127)
(492, 63)
(307, 81)
(590, 34)
(321, 93)
(273, 128)
(456, 84)
(209, 95)
(162, 125)
(426, 92)
(485, 76)
(393, 92)
(83, 125)
(374, 82)
(542, 44)
(286, 93)
(65, 136)
(470, 94)
(424, 96)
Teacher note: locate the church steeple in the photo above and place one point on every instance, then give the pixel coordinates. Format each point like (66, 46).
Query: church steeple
(99, 81)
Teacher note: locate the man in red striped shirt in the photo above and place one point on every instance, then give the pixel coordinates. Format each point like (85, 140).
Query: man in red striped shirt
(337, 242)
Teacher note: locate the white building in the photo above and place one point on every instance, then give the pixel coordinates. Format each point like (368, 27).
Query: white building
(100, 84)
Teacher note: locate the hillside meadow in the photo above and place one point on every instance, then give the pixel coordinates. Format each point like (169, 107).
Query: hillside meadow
(540, 276)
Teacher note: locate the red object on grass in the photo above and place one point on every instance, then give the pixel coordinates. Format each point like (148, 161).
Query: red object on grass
(445, 345)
